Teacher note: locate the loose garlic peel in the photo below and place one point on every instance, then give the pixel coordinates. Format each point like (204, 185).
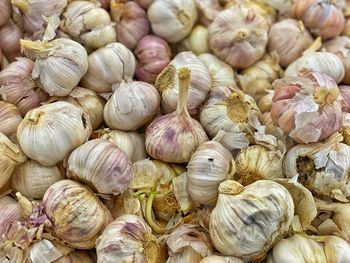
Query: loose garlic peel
(247, 221)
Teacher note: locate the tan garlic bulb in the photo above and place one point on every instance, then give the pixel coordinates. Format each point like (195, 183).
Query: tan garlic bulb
(11, 155)
(10, 118)
(174, 136)
(10, 34)
(257, 79)
(247, 221)
(32, 179)
(207, 10)
(238, 35)
(102, 166)
(49, 133)
(172, 19)
(17, 86)
(5, 11)
(290, 47)
(132, 105)
(127, 239)
(265, 103)
(10, 211)
(336, 249)
(109, 65)
(210, 165)
(323, 18)
(197, 41)
(220, 259)
(89, 24)
(75, 257)
(167, 82)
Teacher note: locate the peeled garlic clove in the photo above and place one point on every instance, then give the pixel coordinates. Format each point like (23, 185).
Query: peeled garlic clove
(5, 11)
(109, 65)
(336, 249)
(101, 165)
(220, 259)
(10, 118)
(78, 217)
(10, 34)
(10, 211)
(173, 137)
(32, 179)
(238, 35)
(132, 105)
(168, 85)
(207, 9)
(49, 133)
(172, 19)
(323, 62)
(247, 221)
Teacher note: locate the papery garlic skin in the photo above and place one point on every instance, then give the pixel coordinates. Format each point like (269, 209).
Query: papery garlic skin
(101, 165)
(75, 257)
(290, 47)
(336, 249)
(109, 65)
(265, 102)
(10, 34)
(247, 221)
(238, 36)
(78, 217)
(131, 106)
(220, 259)
(10, 118)
(6, 11)
(207, 9)
(345, 95)
(50, 132)
(10, 211)
(172, 19)
(32, 179)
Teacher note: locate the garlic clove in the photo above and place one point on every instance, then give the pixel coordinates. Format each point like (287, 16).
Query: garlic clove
(10, 118)
(10, 34)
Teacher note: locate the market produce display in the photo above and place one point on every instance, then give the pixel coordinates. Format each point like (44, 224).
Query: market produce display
(175, 131)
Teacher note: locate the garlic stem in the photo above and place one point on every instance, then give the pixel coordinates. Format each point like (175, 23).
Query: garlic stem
(140, 192)
(116, 10)
(149, 217)
(301, 26)
(316, 45)
(25, 204)
(184, 75)
(21, 4)
(36, 46)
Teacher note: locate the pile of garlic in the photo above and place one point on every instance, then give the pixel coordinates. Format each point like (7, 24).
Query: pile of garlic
(174, 131)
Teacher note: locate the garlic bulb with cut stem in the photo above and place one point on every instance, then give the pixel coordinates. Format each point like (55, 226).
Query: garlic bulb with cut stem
(131, 22)
(290, 47)
(10, 118)
(32, 179)
(323, 62)
(132, 105)
(174, 136)
(127, 239)
(247, 221)
(89, 24)
(108, 65)
(238, 35)
(167, 82)
(11, 155)
(18, 87)
(172, 19)
(10, 211)
(207, 10)
(10, 34)
(322, 17)
(102, 166)
(77, 216)
(153, 54)
(220, 259)
(49, 133)
(6, 11)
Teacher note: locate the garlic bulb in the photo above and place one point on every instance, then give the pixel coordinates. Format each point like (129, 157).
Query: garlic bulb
(167, 82)
(132, 105)
(323, 62)
(265, 103)
(210, 165)
(10, 211)
(197, 41)
(10, 34)
(220, 259)
(258, 78)
(153, 54)
(89, 24)
(17, 86)
(336, 249)
(101, 165)
(221, 73)
(127, 239)
(174, 136)
(346, 31)
(341, 47)
(78, 217)
(307, 107)
(247, 221)
(345, 95)
(207, 9)
(10, 156)
(108, 65)
(10, 118)
(144, 3)
(5, 11)
(323, 18)
(49, 133)
(32, 179)
(172, 19)
(290, 47)
(75, 257)
(131, 22)
(238, 36)
(132, 143)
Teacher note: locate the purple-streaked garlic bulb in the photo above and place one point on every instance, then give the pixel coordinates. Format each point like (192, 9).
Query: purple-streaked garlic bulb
(10, 118)
(10, 34)
(6, 10)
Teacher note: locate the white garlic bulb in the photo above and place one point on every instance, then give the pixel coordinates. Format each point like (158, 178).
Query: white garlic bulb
(10, 118)
(172, 19)
(168, 85)
(50, 132)
(220, 259)
(247, 221)
(132, 105)
(109, 65)
(337, 250)
(101, 165)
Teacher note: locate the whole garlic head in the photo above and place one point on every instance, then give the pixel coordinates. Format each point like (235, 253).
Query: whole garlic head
(247, 221)
(10, 118)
